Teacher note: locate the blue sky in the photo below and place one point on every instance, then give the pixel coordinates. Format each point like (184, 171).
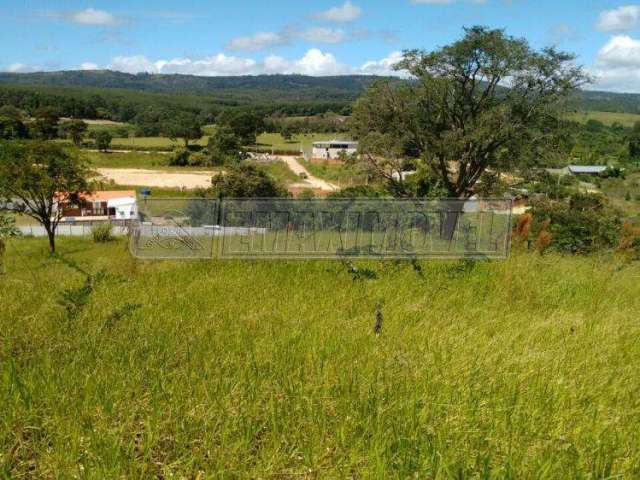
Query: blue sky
(321, 37)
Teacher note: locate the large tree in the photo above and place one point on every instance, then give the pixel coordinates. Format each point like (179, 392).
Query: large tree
(36, 177)
(246, 125)
(486, 102)
(45, 123)
(74, 129)
(185, 126)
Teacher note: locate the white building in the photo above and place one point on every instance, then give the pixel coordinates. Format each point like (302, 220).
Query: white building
(112, 205)
(331, 150)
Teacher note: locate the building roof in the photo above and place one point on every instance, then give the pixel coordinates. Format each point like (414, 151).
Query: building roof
(586, 168)
(341, 142)
(105, 196)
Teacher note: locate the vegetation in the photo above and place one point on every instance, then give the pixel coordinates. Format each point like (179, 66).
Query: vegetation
(583, 223)
(103, 141)
(8, 230)
(246, 181)
(527, 368)
(74, 130)
(102, 233)
(35, 177)
(458, 119)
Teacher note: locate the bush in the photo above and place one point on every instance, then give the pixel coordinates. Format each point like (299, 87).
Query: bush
(179, 158)
(102, 233)
(582, 224)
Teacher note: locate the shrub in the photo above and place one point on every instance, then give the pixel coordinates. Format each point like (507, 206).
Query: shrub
(582, 224)
(629, 245)
(102, 233)
(179, 158)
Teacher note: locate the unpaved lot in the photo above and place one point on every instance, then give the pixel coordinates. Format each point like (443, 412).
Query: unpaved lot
(310, 181)
(157, 178)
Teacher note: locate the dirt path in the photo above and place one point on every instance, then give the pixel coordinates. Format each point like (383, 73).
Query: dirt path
(310, 181)
(157, 178)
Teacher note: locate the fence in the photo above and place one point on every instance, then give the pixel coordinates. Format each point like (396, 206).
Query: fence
(322, 228)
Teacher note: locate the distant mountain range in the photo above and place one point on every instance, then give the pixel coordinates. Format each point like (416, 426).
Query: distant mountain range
(295, 87)
(275, 88)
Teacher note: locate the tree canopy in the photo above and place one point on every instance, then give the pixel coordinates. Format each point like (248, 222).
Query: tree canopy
(487, 101)
(35, 177)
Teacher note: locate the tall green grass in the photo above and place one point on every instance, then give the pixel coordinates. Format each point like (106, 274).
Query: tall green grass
(528, 368)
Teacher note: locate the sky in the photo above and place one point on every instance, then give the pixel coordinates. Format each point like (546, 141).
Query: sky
(313, 37)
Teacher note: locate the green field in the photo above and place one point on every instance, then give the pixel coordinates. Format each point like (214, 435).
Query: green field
(304, 141)
(608, 118)
(335, 173)
(129, 160)
(154, 142)
(528, 368)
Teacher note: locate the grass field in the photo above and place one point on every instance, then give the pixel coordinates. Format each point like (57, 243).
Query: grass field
(335, 173)
(304, 141)
(154, 142)
(129, 160)
(608, 118)
(528, 368)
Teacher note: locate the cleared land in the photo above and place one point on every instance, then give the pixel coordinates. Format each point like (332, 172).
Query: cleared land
(157, 178)
(608, 118)
(528, 368)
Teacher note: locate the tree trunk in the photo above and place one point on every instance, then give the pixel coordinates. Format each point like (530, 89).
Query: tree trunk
(450, 218)
(52, 240)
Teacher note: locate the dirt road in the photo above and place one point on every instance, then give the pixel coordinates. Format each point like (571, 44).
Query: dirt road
(157, 178)
(310, 181)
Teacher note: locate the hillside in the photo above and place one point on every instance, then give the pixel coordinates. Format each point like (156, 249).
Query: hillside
(528, 368)
(262, 89)
(277, 87)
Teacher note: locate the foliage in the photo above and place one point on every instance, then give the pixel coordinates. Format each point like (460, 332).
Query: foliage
(74, 129)
(224, 147)
(629, 245)
(102, 232)
(246, 181)
(183, 125)
(103, 140)
(245, 125)
(8, 230)
(581, 224)
(36, 176)
(12, 125)
(485, 101)
(179, 157)
(45, 123)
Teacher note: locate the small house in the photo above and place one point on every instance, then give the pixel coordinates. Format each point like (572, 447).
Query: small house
(101, 205)
(333, 149)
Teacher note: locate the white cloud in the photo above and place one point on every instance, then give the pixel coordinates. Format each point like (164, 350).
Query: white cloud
(348, 12)
(318, 64)
(265, 40)
(432, 2)
(88, 16)
(447, 2)
(91, 16)
(383, 67)
(20, 68)
(617, 65)
(620, 19)
(257, 41)
(314, 62)
(89, 66)
(323, 35)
